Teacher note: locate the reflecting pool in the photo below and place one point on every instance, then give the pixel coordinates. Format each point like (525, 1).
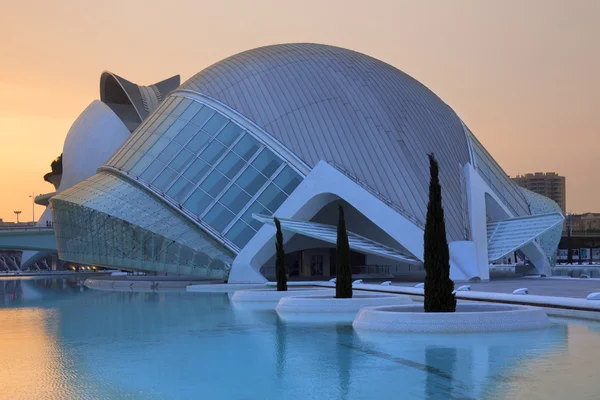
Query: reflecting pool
(60, 340)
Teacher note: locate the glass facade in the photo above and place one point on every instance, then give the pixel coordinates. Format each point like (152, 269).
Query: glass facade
(108, 221)
(208, 165)
(541, 205)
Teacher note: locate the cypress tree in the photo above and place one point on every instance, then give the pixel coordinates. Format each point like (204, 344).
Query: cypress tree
(438, 285)
(343, 284)
(280, 259)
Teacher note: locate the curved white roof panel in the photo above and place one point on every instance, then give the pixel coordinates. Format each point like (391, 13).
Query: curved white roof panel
(337, 105)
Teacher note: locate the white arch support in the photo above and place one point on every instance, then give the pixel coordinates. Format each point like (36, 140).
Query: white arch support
(324, 185)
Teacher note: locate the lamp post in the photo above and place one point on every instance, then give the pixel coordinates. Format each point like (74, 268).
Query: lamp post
(17, 212)
(32, 195)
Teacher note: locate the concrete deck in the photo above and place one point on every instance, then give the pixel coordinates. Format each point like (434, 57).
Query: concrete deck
(559, 287)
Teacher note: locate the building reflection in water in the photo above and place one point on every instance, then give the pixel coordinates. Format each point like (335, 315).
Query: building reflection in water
(467, 366)
(22, 292)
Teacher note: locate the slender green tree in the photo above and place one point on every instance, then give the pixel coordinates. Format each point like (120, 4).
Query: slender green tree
(343, 284)
(280, 259)
(439, 296)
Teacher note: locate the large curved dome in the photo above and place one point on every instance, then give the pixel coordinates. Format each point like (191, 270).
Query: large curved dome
(337, 105)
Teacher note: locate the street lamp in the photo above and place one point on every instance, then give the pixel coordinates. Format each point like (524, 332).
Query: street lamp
(32, 195)
(17, 212)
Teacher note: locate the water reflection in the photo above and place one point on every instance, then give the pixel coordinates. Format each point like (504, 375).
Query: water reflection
(36, 292)
(281, 347)
(469, 366)
(439, 365)
(345, 341)
(177, 345)
(35, 365)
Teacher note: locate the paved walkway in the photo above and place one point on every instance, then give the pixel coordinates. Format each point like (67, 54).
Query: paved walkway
(573, 287)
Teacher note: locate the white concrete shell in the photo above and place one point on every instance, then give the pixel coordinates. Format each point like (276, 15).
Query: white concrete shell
(94, 136)
(340, 127)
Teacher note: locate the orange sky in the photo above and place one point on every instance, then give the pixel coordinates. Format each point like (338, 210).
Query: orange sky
(523, 75)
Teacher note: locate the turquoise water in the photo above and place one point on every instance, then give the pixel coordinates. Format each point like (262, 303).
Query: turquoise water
(59, 340)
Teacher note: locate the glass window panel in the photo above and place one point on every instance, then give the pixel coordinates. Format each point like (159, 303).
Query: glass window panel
(183, 104)
(229, 133)
(189, 113)
(250, 180)
(186, 134)
(174, 100)
(164, 179)
(141, 165)
(154, 122)
(150, 140)
(287, 180)
(240, 234)
(197, 142)
(230, 165)
(113, 159)
(214, 124)
(172, 253)
(246, 147)
(167, 154)
(272, 197)
(218, 217)
(124, 159)
(132, 160)
(174, 129)
(202, 116)
(152, 170)
(234, 199)
(255, 208)
(169, 119)
(138, 137)
(159, 146)
(198, 202)
(180, 189)
(214, 183)
(266, 162)
(212, 152)
(196, 170)
(181, 160)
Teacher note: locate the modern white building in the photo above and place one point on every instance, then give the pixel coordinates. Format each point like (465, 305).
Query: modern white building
(293, 131)
(97, 133)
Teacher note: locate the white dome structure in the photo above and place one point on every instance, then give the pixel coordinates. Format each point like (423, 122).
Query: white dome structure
(294, 131)
(99, 131)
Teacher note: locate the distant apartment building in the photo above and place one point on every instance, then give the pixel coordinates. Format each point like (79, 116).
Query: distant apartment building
(548, 184)
(584, 224)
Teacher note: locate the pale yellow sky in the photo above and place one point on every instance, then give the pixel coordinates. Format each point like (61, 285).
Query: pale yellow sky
(522, 74)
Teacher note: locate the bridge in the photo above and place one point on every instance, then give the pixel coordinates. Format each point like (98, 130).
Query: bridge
(27, 238)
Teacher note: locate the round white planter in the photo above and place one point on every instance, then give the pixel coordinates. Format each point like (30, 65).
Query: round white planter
(328, 309)
(267, 299)
(469, 317)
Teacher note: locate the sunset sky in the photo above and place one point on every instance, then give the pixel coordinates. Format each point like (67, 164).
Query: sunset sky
(523, 75)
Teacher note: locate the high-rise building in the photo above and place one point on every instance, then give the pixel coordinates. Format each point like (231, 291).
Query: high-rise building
(548, 184)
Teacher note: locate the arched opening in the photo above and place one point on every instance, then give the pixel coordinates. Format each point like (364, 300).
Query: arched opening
(309, 258)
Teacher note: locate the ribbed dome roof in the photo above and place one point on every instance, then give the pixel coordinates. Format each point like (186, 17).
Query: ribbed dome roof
(337, 105)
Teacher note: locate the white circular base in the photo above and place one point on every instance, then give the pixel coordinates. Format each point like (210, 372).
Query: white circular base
(267, 299)
(469, 317)
(328, 309)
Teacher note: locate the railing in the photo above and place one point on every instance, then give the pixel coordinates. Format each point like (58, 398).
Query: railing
(26, 228)
(375, 193)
